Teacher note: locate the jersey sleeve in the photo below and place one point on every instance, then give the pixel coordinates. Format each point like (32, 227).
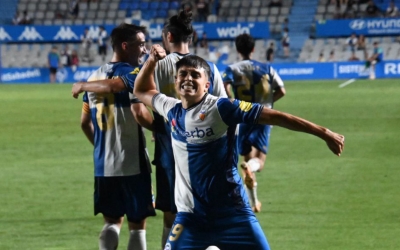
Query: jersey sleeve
(227, 76)
(85, 104)
(218, 88)
(233, 111)
(128, 76)
(162, 104)
(276, 82)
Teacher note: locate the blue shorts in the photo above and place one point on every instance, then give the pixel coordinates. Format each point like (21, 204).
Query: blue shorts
(165, 189)
(234, 232)
(165, 173)
(117, 196)
(256, 135)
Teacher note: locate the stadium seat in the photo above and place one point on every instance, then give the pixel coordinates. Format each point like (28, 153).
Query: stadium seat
(123, 5)
(134, 6)
(144, 5)
(154, 5)
(174, 5)
(162, 14)
(164, 5)
(254, 12)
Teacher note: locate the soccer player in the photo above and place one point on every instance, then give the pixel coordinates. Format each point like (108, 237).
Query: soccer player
(122, 168)
(212, 205)
(258, 82)
(177, 35)
(53, 60)
(377, 56)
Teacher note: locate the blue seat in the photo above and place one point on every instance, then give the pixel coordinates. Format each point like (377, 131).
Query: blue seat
(134, 6)
(162, 13)
(174, 5)
(123, 5)
(164, 5)
(154, 5)
(144, 6)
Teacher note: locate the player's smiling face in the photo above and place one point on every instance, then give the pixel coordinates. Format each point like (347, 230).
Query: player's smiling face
(136, 49)
(191, 83)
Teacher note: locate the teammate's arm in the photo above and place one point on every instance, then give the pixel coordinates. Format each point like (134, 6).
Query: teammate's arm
(100, 86)
(142, 115)
(145, 86)
(277, 85)
(334, 141)
(86, 123)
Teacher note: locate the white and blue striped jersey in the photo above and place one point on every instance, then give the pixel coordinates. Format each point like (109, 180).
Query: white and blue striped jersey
(253, 81)
(119, 146)
(205, 151)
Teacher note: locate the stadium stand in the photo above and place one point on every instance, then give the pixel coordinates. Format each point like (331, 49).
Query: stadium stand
(301, 16)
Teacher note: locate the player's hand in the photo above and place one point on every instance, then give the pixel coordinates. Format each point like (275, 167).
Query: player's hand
(158, 52)
(335, 142)
(77, 89)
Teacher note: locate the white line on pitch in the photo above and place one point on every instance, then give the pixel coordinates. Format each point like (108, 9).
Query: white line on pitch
(347, 83)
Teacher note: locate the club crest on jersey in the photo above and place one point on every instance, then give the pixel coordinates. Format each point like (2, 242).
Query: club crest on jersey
(245, 106)
(202, 115)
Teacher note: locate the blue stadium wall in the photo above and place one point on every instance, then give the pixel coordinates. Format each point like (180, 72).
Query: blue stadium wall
(297, 71)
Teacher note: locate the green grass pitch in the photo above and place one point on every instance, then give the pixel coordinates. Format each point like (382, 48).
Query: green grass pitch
(311, 198)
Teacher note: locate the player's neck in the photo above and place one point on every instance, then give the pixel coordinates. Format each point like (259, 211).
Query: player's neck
(188, 102)
(116, 58)
(181, 48)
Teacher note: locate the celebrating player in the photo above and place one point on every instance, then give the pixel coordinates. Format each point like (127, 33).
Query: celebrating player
(253, 81)
(212, 206)
(177, 34)
(122, 168)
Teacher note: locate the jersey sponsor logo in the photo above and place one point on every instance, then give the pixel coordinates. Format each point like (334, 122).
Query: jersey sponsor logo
(4, 35)
(173, 125)
(202, 115)
(245, 106)
(198, 133)
(30, 33)
(65, 33)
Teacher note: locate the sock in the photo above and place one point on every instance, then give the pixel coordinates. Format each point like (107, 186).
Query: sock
(109, 236)
(254, 164)
(137, 240)
(164, 237)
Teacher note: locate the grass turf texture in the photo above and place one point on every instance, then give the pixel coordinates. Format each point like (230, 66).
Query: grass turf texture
(311, 199)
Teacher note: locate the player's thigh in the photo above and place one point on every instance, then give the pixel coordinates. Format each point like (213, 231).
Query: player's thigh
(165, 178)
(245, 235)
(108, 198)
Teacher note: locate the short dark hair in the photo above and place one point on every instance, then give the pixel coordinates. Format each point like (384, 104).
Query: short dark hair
(195, 62)
(244, 44)
(180, 26)
(125, 32)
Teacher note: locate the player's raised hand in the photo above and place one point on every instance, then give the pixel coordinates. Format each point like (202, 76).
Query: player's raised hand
(77, 89)
(158, 52)
(335, 142)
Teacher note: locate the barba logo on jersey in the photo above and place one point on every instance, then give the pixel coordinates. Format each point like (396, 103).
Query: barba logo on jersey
(245, 106)
(202, 115)
(135, 71)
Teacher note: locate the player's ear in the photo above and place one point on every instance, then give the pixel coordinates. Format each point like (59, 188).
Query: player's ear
(207, 86)
(170, 37)
(124, 45)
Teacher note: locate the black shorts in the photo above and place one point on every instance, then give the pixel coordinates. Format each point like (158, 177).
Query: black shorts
(165, 179)
(117, 196)
(103, 50)
(53, 70)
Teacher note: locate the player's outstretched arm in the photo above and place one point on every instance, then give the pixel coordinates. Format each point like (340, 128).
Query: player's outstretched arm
(100, 86)
(334, 141)
(145, 86)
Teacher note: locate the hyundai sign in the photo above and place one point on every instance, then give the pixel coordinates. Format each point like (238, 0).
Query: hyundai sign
(372, 27)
